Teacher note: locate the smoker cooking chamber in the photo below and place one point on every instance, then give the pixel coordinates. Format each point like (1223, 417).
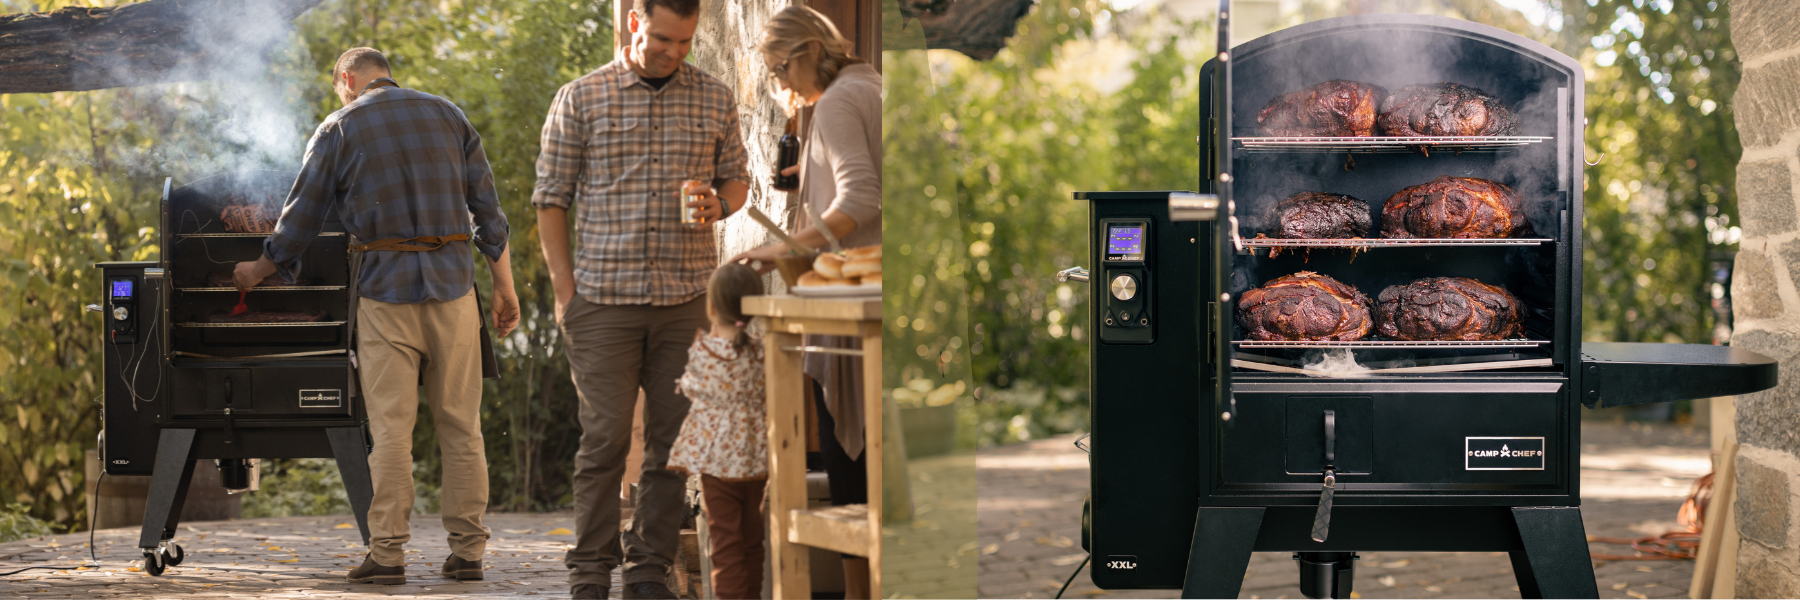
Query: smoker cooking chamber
(1187, 413)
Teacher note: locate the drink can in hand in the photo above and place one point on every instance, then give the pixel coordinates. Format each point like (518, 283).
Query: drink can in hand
(688, 195)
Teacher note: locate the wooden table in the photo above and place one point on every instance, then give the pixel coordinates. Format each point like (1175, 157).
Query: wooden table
(853, 529)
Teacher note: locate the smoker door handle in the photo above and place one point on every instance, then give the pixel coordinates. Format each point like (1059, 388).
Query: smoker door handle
(1330, 439)
(1072, 274)
(1623, 374)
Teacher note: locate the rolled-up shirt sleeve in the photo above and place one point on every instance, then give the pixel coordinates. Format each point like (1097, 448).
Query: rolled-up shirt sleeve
(309, 202)
(491, 228)
(854, 171)
(560, 160)
(734, 161)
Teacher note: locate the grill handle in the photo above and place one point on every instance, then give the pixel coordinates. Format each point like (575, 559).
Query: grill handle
(1072, 274)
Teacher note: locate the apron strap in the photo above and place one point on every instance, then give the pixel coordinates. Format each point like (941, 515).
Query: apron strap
(426, 243)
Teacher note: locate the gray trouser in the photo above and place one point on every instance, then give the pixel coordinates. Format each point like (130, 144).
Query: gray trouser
(613, 350)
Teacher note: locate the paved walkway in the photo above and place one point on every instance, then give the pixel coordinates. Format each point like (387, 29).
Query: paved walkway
(1030, 525)
(934, 555)
(292, 557)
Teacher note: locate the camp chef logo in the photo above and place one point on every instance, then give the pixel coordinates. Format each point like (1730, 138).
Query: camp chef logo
(321, 398)
(1503, 454)
(1121, 562)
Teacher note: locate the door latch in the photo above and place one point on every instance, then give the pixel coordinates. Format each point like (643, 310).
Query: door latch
(1322, 520)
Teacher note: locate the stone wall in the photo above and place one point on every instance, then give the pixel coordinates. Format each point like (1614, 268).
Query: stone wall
(1765, 298)
(725, 47)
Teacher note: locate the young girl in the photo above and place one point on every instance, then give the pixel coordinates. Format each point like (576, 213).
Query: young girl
(725, 437)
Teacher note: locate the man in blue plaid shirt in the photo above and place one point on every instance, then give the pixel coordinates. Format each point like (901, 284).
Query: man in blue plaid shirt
(405, 172)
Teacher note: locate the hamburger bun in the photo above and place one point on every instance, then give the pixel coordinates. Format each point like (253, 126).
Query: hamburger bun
(872, 278)
(858, 267)
(814, 279)
(864, 252)
(829, 265)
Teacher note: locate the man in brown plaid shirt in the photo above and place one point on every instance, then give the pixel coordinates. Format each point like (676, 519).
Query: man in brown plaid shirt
(617, 145)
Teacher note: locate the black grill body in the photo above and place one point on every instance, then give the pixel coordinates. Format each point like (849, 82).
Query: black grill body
(179, 388)
(1202, 456)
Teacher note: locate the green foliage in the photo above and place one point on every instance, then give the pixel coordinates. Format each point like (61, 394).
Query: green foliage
(1017, 136)
(16, 523)
(1661, 207)
(80, 173)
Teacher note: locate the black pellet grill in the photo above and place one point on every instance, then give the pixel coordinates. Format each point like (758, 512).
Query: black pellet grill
(1207, 447)
(179, 388)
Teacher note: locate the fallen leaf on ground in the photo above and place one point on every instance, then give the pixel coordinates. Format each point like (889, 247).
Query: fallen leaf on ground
(520, 531)
(343, 556)
(990, 549)
(1387, 580)
(1645, 569)
(1620, 586)
(343, 526)
(1058, 541)
(134, 569)
(1636, 594)
(1433, 589)
(1355, 594)
(290, 560)
(1010, 536)
(966, 549)
(559, 531)
(1396, 564)
(1068, 560)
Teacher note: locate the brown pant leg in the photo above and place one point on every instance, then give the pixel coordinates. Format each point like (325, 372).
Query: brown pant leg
(659, 501)
(735, 525)
(605, 345)
(452, 369)
(388, 351)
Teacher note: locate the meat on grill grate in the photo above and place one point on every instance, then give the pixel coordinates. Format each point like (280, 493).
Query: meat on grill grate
(1305, 306)
(1321, 215)
(242, 216)
(1336, 108)
(217, 279)
(1445, 109)
(1449, 309)
(1454, 207)
(267, 316)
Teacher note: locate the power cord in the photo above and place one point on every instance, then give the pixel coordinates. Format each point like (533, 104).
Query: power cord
(1071, 579)
(93, 558)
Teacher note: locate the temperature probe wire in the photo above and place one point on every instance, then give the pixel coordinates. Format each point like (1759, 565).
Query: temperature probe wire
(1071, 579)
(93, 559)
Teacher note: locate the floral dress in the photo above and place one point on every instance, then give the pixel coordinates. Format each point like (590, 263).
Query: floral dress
(726, 431)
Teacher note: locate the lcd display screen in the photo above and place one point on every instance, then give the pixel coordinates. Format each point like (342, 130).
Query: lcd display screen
(1125, 242)
(121, 288)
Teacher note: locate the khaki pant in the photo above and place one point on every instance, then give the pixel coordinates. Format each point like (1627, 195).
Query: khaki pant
(395, 343)
(613, 350)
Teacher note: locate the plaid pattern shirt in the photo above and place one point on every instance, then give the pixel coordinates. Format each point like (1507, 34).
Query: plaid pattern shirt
(396, 163)
(617, 149)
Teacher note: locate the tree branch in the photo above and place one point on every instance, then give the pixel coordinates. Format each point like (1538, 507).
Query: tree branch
(157, 41)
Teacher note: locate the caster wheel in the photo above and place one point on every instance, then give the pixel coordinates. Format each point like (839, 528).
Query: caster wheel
(153, 563)
(172, 555)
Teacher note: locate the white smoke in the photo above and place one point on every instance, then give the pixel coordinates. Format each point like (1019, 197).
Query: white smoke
(1336, 362)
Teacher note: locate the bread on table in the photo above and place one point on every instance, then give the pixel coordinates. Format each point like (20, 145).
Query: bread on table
(829, 265)
(864, 252)
(858, 267)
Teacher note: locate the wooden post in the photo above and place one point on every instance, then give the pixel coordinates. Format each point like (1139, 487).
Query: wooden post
(872, 444)
(787, 463)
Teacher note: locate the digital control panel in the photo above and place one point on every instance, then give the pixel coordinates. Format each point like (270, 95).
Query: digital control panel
(121, 309)
(1124, 282)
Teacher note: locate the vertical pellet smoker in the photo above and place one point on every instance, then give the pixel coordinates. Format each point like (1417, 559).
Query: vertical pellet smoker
(182, 384)
(1208, 445)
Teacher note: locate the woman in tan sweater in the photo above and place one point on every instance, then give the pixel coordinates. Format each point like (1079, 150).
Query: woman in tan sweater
(840, 176)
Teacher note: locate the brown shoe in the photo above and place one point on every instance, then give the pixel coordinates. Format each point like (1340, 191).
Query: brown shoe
(462, 570)
(372, 572)
(589, 591)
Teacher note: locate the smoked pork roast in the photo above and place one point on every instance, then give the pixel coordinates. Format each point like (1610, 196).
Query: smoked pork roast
(1305, 306)
(1322, 215)
(1445, 109)
(1336, 108)
(1449, 309)
(1455, 207)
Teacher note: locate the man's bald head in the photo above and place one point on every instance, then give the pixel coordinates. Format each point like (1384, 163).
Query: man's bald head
(355, 69)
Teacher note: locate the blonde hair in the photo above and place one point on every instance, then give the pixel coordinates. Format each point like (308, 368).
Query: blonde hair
(799, 29)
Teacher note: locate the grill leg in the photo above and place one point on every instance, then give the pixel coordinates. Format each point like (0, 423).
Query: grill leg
(1220, 552)
(1555, 561)
(168, 486)
(353, 464)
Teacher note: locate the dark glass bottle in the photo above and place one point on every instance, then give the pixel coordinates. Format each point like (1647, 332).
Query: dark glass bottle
(788, 155)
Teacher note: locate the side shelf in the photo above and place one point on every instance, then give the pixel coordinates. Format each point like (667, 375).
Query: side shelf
(1622, 374)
